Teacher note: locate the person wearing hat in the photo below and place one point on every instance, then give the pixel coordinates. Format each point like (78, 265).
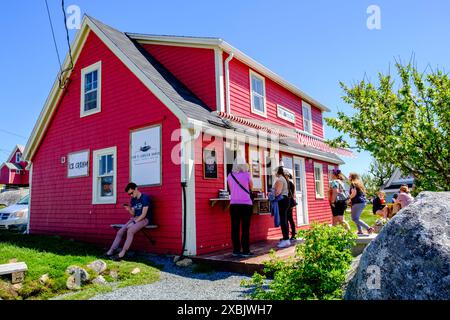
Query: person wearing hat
(337, 197)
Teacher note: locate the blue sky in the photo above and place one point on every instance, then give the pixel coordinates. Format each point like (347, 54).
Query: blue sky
(312, 44)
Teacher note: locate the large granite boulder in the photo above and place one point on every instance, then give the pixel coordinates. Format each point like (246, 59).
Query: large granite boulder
(410, 258)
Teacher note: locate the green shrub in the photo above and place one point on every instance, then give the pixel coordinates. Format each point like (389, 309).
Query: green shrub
(317, 271)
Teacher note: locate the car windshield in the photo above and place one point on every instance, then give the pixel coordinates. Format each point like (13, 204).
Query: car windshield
(24, 200)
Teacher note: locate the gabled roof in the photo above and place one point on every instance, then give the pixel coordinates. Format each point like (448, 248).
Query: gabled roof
(180, 100)
(13, 152)
(176, 97)
(220, 43)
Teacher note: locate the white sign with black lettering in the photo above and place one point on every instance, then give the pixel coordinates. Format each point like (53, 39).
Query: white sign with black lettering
(146, 156)
(78, 164)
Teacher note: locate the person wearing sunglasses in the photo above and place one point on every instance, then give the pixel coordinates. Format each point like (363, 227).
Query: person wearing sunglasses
(140, 217)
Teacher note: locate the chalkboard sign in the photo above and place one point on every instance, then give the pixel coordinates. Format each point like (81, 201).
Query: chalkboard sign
(209, 164)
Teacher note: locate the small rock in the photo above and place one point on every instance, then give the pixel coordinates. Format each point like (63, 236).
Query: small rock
(135, 271)
(78, 271)
(114, 274)
(44, 278)
(72, 284)
(184, 263)
(99, 280)
(99, 266)
(13, 260)
(17, 287)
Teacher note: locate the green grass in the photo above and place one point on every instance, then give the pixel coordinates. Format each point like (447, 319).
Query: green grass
(52, 255)
(367, 216)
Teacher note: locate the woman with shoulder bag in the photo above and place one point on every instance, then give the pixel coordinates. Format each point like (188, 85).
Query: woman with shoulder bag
(241, 206)
(338, 199)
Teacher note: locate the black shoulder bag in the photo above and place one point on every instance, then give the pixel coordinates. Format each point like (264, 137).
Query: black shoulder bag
(252, 196)
(292, 202)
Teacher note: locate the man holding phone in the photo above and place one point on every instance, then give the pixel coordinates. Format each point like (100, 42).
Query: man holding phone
(140, 217)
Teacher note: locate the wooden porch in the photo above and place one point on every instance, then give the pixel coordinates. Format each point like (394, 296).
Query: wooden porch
(225, 261)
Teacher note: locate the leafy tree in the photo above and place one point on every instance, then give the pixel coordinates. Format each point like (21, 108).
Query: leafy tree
(381, 172)
(408, 128)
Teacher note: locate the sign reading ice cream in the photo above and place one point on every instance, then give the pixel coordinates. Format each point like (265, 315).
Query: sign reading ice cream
(145, 156)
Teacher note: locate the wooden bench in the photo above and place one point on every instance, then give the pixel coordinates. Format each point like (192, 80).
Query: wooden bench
(143, 230)
(16, 269)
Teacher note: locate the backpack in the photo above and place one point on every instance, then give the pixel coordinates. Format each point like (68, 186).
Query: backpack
(342, 195)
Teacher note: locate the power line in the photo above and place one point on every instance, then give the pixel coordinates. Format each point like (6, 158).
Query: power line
(12, 133)
(62, 84)
(54, 39)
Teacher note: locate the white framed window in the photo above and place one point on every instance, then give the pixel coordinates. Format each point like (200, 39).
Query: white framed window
(307, 118)
(285, 114)
(18, 157)
(104, 184)
(330, 172)
(318, 180)
(91, 84)
(258, 94)
(18, 171)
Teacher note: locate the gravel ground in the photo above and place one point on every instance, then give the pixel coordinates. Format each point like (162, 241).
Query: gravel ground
(183, 284)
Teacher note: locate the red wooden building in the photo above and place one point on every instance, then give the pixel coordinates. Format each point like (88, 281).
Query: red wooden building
(163, 111)
(14, 172)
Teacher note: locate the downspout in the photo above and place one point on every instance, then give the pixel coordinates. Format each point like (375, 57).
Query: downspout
(227, 80)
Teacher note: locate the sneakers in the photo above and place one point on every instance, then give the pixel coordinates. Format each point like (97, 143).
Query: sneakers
(284, 244)
(247, 254)
(236, 254)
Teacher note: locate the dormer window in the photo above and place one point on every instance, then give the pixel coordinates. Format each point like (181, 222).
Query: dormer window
(18, 157)
(307, 118)
(258, 94)
(91, 89)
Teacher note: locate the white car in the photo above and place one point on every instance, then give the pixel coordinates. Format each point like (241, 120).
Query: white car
(15, 217)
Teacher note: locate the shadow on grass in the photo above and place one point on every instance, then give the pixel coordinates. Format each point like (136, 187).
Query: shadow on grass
(60, 246)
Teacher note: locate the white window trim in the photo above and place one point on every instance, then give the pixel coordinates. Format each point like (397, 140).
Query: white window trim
(280, 107)
(307, 106)
(318, 195)
(18, 171)
(253, 110)
(18, 155)
(96, 199)
(96, 66)
(330, 168)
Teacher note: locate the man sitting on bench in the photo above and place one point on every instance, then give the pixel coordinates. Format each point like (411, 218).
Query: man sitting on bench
(139, 210)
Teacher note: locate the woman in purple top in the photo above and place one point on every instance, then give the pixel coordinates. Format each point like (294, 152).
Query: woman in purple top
(240, 185)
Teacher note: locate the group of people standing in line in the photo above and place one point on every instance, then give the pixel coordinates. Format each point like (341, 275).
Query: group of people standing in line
(340, 199)
(282, 198)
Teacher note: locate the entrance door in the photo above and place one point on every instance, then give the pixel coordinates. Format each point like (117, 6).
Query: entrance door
(300, 191)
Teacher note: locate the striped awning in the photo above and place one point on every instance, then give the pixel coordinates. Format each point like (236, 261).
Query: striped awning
(302, 138)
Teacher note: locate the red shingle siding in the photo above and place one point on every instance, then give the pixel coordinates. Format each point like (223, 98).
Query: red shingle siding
(194, 67)
(64, 206)
(240, 100)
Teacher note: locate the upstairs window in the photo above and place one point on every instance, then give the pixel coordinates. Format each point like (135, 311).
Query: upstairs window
(307, 118)
(18, 157)
(258, 94)
(90, 89)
